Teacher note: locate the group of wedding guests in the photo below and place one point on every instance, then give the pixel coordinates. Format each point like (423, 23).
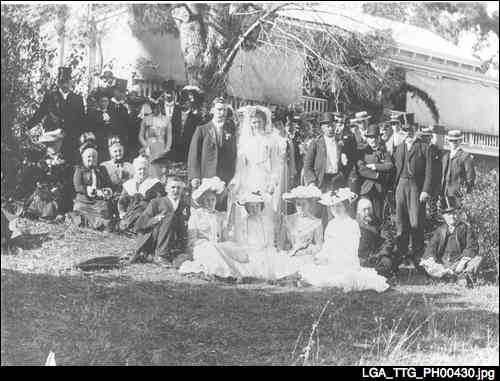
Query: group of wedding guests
(260, 203)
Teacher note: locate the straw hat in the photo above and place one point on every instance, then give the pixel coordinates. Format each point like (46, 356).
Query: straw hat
(454, 135)
(213, 184)
(336, 197)
(303, 192)
(360, 117)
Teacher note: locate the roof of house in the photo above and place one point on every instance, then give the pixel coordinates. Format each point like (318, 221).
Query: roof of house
(406, 36)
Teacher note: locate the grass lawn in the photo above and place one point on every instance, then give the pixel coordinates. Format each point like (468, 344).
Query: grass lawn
(147, 315)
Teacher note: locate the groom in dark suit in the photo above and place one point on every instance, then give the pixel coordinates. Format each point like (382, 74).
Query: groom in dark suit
(213, 149)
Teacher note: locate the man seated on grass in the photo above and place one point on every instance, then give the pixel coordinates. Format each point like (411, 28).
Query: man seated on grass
(452, 252)
(163, 227)
(376, 244)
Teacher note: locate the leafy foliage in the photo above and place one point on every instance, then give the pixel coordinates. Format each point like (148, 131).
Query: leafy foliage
(26, 61)
(481, 207)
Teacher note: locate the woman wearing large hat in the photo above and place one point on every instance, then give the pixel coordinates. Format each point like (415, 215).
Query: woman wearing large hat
(337, 264)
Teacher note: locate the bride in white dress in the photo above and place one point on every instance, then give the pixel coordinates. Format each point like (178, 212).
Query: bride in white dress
(337, 263)
(260, 166)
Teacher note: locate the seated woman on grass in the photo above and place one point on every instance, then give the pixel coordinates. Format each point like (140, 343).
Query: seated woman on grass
(137, 193)
(92, 205)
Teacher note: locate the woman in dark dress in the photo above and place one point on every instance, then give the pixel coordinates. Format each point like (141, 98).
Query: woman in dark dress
(93, 190)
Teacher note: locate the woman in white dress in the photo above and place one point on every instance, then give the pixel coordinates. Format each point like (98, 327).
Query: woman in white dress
(260, 166)
(155, 136)
(337, 263)
(251, 253)
(227, 259)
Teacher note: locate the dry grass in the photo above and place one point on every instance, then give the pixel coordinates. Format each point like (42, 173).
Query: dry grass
(147, 315)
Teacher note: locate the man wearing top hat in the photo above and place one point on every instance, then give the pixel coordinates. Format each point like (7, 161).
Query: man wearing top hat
(428, 135)
(452, 252)
(62, 108)
(213, 149)
(458, 170)
(413, 186)
(374, 168)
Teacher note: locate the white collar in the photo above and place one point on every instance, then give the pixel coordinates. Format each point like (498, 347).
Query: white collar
(175, 203)
(64, 95)
(113, 99)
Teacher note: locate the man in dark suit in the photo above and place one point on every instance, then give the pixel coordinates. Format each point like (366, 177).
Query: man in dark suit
(458, 170)
(162, 227)
(427, 134)
(119, 112)
(413, 187)
(374, 168)
(347, 142)
(185, 118)
(213, 149)
(62, 108)
(325, 163)
(452, 251)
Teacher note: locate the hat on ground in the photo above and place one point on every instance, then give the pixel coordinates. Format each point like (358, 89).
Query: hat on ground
(213, 184)
(360, 117)
(51, 136)
(326, 118)
(372, 130)
(63, 74)
(336, 197)
(303, 192)
(255, 197)
(454, 135)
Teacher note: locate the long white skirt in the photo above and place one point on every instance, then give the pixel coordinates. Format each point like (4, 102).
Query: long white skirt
(226, 259)
(354, 279)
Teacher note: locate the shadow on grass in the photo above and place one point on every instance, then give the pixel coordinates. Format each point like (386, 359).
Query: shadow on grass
(173, 323)
(28, 242)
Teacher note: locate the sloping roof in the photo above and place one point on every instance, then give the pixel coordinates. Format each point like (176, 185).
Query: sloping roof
(406, 36)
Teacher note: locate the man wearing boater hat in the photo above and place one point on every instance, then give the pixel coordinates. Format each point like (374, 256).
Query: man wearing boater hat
(458, 170)
(62, 108)
(413, 184)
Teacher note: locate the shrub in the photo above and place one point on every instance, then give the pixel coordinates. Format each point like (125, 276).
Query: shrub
(481, 207)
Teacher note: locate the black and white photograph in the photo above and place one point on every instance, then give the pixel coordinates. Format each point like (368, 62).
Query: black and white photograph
(251, 184)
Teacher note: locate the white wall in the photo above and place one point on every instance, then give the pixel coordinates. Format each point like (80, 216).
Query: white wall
(469, 106)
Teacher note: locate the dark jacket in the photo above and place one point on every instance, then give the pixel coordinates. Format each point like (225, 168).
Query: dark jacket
(183, 134)
(120, 121)
(419, 162)
(206, 159)
(374, 242)
(437, 169)
(315, 161)
(83, 178)
(59, 113)
(466, 239)
(378, 178)
(457, 172)
(101, 129)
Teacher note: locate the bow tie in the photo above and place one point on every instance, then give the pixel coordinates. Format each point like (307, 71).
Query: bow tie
(118, 162)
